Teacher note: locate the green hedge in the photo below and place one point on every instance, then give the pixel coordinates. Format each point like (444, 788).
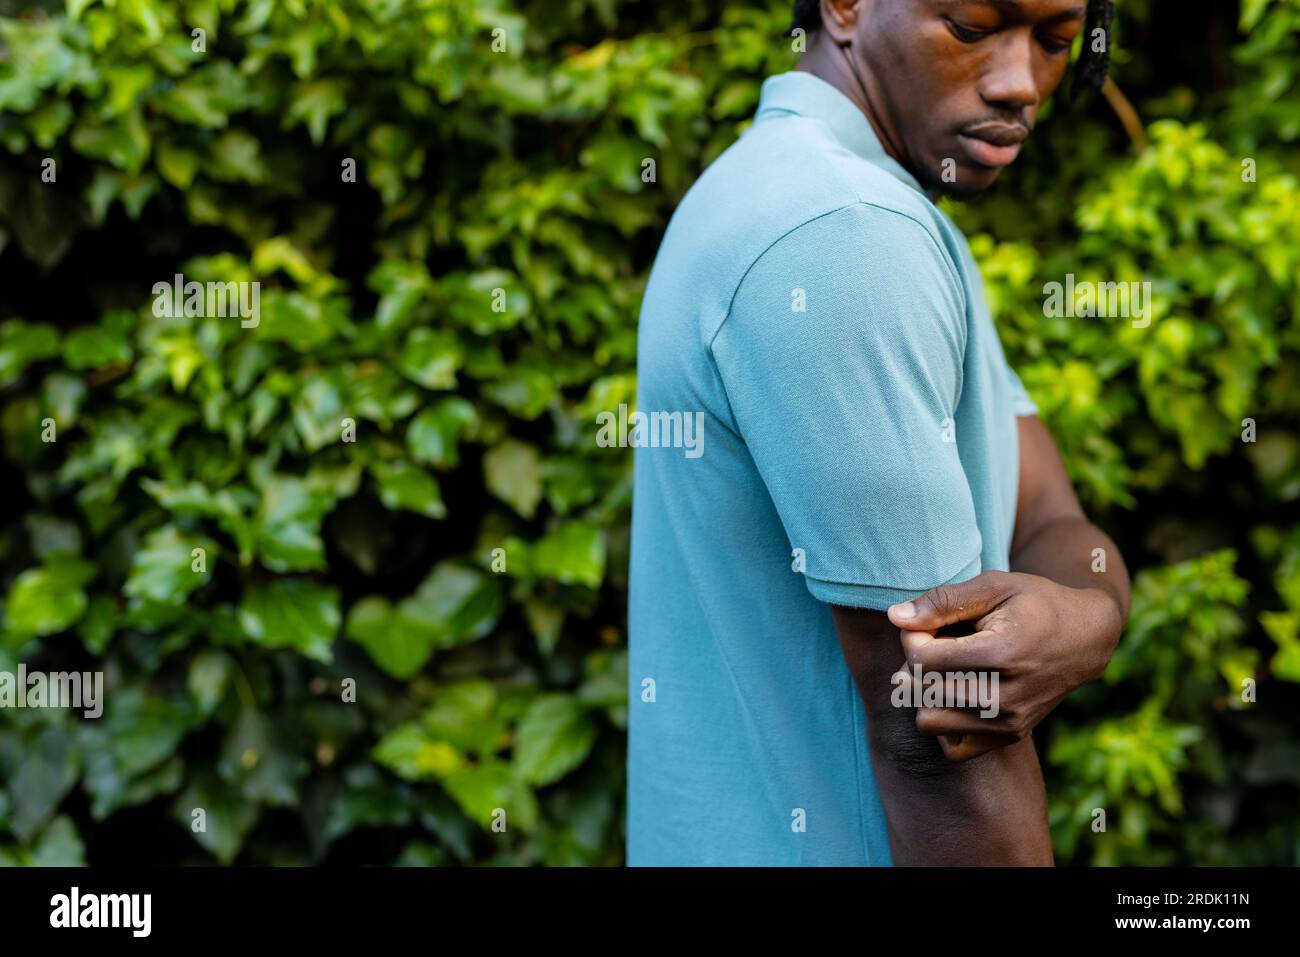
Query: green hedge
(409, 610)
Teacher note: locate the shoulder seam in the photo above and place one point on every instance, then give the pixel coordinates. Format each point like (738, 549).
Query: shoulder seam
(944, 255)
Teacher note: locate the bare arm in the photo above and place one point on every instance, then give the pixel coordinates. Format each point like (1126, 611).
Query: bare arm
(1053, 538)
(1045, 628)
(959, 789)
(991, 811)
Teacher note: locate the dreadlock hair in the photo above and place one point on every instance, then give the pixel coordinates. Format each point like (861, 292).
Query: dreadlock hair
(1089, 72)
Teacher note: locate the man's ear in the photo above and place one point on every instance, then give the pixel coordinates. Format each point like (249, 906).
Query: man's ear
(840, 18)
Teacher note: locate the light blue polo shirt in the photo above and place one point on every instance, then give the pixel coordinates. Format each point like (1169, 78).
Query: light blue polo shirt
(826, 324)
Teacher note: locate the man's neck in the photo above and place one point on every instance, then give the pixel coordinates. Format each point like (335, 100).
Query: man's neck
(830, 63)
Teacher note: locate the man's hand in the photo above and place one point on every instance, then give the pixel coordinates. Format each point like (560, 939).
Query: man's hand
(1043, 640)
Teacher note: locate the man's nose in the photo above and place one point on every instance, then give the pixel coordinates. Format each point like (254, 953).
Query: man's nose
(1009, 81)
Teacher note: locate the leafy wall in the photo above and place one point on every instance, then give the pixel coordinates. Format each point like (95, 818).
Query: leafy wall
(392, 476)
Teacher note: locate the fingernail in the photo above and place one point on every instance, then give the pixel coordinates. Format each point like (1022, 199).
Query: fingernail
(905, 610)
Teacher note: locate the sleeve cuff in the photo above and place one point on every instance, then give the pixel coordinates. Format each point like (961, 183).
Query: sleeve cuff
(879, 597)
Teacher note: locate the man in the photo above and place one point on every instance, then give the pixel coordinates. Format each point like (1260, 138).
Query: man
(876, 494)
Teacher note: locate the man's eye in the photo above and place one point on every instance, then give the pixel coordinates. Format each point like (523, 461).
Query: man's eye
(1055, 45)
(966, 34)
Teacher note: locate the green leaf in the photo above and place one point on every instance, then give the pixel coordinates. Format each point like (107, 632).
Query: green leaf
(513, 473)
(554, 737)
(403, 286)
(490, 789)
(122, 142)
(318, 412)
(292, 613)
(573, 554)
(59, 845)
(105, 344)
(366, 801)
(281, 253)
(236, 157)
(48, 123)
(209, 674)
(176, 165)
(143, 730)
(49, 535)
(62, 395)
(207, 97)
(46, 774)
(48, 599)
(164, 567)
(111, 790)
(413, 754)
(527, 392)
(409, 488)
(431, 358)
(398, 645)
(258, 761)
(466, 715)
(301, 322)
(131, 753)
(21, 344)
(226, 820)
(313, 104)
(379, 395)
(288, 523)
(456, 603)
(433, 435)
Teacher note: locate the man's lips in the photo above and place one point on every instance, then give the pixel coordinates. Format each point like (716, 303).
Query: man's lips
(993, 144)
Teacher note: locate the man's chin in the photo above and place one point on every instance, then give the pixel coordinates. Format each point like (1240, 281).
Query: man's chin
(963, 183)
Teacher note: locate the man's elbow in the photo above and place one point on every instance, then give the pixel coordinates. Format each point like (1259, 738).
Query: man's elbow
(897, 743)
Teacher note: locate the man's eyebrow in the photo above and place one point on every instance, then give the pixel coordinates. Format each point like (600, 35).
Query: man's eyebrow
(1016, 7)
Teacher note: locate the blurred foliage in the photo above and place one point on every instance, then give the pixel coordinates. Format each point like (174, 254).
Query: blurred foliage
(462, 311)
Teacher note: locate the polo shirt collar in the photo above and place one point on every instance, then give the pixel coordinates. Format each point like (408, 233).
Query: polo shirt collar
(798, 91)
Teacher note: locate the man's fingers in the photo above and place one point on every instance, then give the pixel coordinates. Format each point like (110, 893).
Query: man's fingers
(964, 653)
(951, 721)
(965, 601)
(972, 745)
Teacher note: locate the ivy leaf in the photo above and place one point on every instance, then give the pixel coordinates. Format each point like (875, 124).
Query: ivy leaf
(409, 488)
(527, 392)
(313, 104)
(573, 554)
(433, 437)
(208, 677)
(143, 730)
(48, 599)
(430, 358)
(48, 771)
(554, 737)
(163, 567)
(21, 344)
(292, 613)
(257, 760)
(398, 645)
(94, 347)
(59, 845)
(226, 816)
(456, 603)
(514, 474)
(288, 523)
(318, 412)
(412, 753)
(486, 790)
(467, 715)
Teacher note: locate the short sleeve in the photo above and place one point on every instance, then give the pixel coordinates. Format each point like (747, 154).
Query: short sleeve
(841, 358)
(1020, 399)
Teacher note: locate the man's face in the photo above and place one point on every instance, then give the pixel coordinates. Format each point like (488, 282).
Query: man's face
(962, 80)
